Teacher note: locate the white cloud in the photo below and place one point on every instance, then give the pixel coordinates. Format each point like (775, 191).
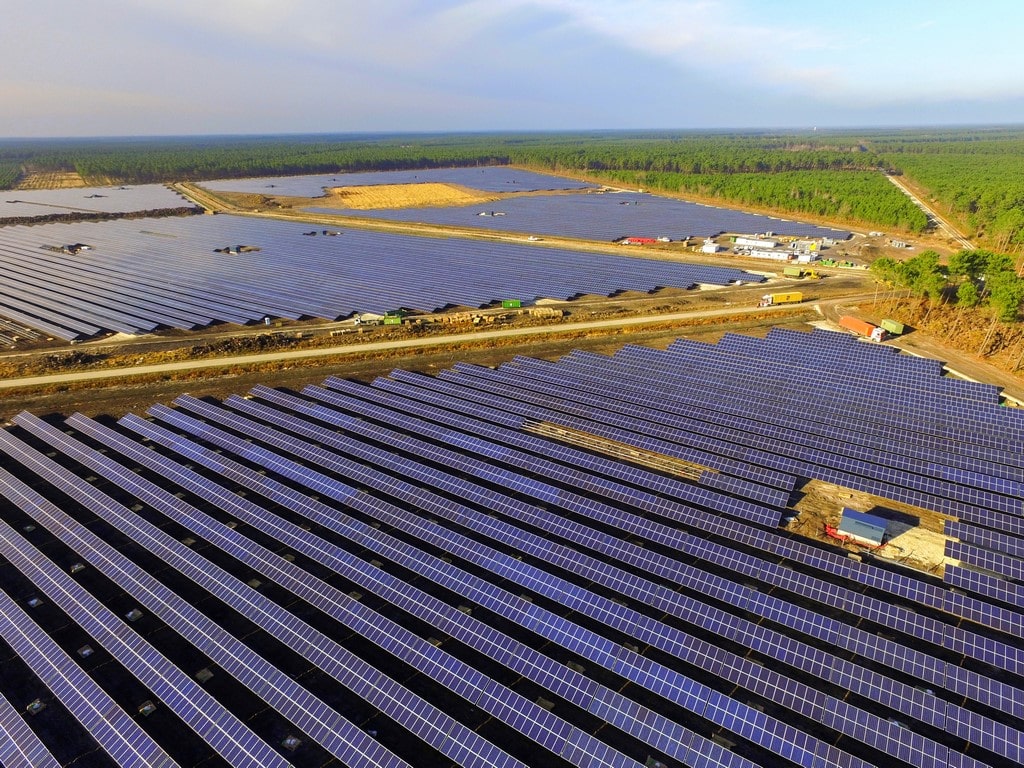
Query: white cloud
(449, 64)
(803, 48)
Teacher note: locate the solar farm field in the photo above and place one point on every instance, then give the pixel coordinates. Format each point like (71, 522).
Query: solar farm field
(605, 216)
(486, 179)
(44, 202)
(136, 276)
(575, 563)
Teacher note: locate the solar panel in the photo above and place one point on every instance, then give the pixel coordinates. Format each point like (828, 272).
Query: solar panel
(20, 747)
(231, 739)
(494, 559)
(183, 280)
(287, 696)
(600, 217)
(112, 728)
(331, 657)
(579, 649)
(566, 461)
(869, 607)
(888, 700)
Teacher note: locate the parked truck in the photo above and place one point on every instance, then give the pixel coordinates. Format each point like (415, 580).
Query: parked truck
(773, 299)
(863, 328)
(895, 327)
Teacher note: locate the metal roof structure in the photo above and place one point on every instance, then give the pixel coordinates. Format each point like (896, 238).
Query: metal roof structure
(863, 527)
(477, 569)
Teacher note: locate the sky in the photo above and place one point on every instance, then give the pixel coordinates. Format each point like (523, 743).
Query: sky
(184, 67)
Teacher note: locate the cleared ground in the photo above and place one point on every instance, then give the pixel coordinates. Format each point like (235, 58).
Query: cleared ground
(52, 180)
(403, 196)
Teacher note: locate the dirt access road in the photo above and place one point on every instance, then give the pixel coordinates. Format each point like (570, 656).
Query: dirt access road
(456, 339)
(943, 226)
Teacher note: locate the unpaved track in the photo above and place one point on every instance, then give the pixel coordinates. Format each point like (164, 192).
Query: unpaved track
(943, 225)
(382, 346)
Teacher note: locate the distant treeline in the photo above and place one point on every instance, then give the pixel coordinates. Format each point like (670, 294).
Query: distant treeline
(973, 175)
(10, 174)
(851, 196)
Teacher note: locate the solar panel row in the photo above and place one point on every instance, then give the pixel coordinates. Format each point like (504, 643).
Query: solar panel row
(893, 584)
(421, 571)
(20, 747)
(46, 202)
(393, 699)
(114, 730)
(1002, 542)
(776, 424)
(443, 616)
(228, 736)
(290, 699)
(622, 589)
(142, 274)
(604, 217)
(419, 600)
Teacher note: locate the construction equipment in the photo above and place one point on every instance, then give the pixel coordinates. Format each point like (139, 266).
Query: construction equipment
(800, 272)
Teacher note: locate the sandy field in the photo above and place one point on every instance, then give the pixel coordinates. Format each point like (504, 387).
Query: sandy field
(52, 180)
(403, 196)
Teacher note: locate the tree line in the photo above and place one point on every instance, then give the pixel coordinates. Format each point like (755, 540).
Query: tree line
(970, 278)
(973, 176)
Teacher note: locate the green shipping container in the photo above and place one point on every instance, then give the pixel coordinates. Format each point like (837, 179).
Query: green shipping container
(892, 326)
(793, 272)
(511, 304)
(392, 320)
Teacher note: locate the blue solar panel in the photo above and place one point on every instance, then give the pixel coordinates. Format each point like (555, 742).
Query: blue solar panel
(509, 549)
(182, 281)
(877, 604)
(112, 728)
(20, 747)
(1002, 542)
(569, 459)
(451, 548)
(293, 701)
(214, 723)
(604, 217)
(331, 657)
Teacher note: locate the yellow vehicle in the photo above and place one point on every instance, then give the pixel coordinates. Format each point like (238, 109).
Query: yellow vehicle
(810, 274)
(773, 299)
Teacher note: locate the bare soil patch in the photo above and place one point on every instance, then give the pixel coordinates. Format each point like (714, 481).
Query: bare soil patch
(366, 198)
(914, 536)
(52, 180)
(403, 196)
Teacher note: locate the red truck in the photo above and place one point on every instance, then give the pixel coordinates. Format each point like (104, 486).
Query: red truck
(863, 328)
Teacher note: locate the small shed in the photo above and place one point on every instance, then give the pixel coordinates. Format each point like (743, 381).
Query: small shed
(863, 527)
